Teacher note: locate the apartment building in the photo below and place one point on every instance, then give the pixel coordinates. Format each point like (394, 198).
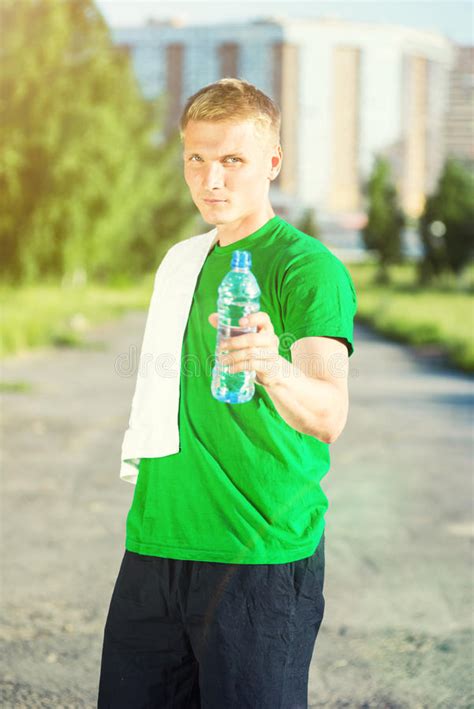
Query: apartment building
(347, 91)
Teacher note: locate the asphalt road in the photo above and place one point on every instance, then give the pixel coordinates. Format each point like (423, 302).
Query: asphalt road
(397, 630)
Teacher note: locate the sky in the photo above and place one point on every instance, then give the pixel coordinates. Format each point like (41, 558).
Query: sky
(454, 18)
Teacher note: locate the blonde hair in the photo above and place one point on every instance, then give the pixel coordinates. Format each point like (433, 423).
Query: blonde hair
(233, 99)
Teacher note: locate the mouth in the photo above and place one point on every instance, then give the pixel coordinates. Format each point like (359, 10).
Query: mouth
(215, 201)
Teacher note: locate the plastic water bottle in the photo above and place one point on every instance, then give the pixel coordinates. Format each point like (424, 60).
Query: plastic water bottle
(239, 295)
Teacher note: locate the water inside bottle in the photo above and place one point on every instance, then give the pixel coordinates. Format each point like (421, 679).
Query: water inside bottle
(239, 296)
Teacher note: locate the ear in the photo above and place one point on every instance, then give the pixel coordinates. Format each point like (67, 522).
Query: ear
(277, 158)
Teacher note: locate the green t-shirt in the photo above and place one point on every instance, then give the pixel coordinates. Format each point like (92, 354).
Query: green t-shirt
(245, 486)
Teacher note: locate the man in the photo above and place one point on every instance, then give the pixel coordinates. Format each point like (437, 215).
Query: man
(219, 598)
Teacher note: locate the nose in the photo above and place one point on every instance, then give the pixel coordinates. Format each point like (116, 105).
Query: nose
(214, 176)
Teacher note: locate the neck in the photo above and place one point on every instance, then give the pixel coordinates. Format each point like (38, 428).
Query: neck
(231, 233)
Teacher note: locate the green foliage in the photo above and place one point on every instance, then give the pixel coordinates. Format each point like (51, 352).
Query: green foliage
(48, 314)
(18, 386)
(446, 226)
(84, 185)
(438, 317)
(385, 220)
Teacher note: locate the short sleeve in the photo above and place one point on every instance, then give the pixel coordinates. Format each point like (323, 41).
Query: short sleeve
(318, 298)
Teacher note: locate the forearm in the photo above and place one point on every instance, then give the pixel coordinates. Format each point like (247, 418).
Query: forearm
(307, 404)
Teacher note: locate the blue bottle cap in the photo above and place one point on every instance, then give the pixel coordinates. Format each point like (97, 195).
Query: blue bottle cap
(241, 259)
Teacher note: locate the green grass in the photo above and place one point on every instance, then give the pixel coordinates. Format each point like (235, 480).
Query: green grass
(15, 387)
(441, 315)
(45, 315)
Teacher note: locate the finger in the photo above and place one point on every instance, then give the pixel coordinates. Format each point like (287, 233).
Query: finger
(213, 319)
(256, 339)
(255, 357)
(260, 320)
(261, 364)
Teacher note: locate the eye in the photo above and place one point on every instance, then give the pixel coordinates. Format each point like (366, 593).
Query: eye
(231, 157)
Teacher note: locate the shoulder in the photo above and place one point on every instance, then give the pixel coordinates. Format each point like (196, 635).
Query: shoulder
(186, 248)
(305, 254)
(192, 241)
(190, 244)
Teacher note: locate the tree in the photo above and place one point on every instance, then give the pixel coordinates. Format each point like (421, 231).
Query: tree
(82, 181)
(308, 224)
(446, 225)
(385, 222)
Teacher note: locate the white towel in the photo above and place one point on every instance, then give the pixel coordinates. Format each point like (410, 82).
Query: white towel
(153, 425)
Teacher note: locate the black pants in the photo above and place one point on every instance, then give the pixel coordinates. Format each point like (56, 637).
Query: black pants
(188, 634)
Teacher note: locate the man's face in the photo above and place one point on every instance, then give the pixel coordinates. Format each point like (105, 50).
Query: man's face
(227, 167)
